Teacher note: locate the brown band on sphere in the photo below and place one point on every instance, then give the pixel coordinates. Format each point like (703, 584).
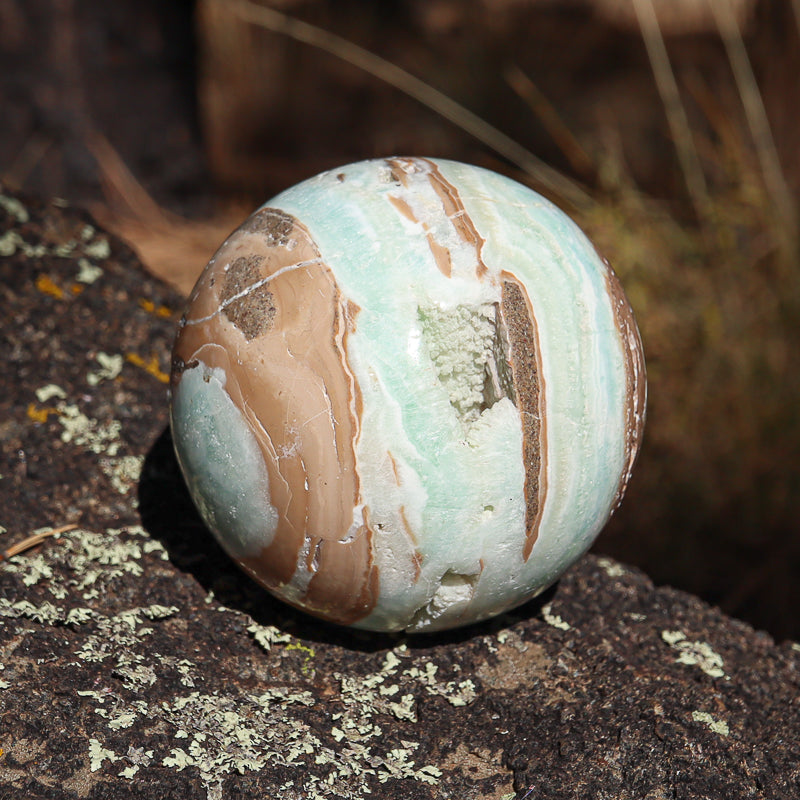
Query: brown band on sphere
(524, 357)
(248, 305)
(271, 223)
(635, 378)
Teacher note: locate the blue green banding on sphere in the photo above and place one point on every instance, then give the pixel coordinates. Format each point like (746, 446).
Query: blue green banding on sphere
(434, 384)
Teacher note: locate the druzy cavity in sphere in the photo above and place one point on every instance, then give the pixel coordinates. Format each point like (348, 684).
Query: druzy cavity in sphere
(407, 394)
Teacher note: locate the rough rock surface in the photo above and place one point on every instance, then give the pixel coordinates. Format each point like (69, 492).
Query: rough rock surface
(136, 662)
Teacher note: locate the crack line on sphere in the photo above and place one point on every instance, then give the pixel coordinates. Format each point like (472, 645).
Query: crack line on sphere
(252, 287)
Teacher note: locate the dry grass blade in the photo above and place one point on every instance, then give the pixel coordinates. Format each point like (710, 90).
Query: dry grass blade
(796, 8)
(549, 178)
(30, 154)
(671, 98)
(757, 119)
(120, 183)
(32, 541)
(173, 248)
(550, 118)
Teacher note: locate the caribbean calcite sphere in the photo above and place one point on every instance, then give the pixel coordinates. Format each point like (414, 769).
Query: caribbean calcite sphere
(407, 394)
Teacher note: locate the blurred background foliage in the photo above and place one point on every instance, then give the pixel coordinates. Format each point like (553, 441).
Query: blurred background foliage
(667, 128)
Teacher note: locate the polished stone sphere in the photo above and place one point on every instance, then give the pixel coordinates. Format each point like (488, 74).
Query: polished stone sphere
(407, 394)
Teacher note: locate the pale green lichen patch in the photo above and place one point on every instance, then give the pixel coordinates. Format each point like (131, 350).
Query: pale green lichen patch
(15, 208)
(102, 438)
(696, 654)
(31, 569)
(11, 242)
(124, 719)
(45, 613)
(553, 619)
(88, 273)
(611, 567)
(86, 246)
(118, 638)
(122, 472)
(330, 754)
(109, 367)
(267, 635)
(98, 754)
(8, 243)
(98, 437)
(460, 693)
(719, 727)
(226, 734)
(48, 392)
(397, 764)
(99, 249)
(136, 757)
(65, 249)
(363, 735)
(93, 560)
(363, 732)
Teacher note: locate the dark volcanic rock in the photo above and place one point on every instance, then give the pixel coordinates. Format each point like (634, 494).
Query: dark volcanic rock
(137, 662)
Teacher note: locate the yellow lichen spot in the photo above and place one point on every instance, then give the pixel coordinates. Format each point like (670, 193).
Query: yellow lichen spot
(46, 286)
(76, 288)
(310, 654)
(150, 366)
(39, 415)
(151, 308)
